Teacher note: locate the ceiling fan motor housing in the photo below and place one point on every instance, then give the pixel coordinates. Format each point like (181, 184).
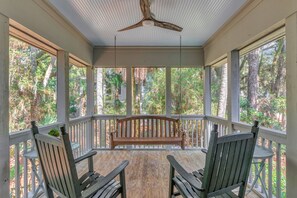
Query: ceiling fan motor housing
(148, 23)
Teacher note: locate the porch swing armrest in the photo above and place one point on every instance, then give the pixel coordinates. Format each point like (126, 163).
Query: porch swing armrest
(184, 174)
(182, 132)
(112, 134)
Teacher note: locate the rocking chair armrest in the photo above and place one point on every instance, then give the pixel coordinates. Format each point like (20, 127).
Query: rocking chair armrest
(187, 176)
(204, 151)
(86, 156)
(105, 180)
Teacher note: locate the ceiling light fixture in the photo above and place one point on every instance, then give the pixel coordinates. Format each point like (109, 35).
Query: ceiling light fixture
(148, 23)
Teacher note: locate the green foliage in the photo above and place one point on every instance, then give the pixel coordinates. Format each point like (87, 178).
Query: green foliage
(187, 90)
(32, 77)
(153, 96)
(217, 80)
(109, 97)
(54, 132)
(270, 105)
(77, 91)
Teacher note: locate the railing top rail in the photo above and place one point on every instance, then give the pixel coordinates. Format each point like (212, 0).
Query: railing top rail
(104, 117)
(134, 117)
(218, 120)
(107, 117)
(270, 134)
(24, 135)
(194, 117)
(80, 119)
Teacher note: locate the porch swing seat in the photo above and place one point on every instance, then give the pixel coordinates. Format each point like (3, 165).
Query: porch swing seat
(147, 130)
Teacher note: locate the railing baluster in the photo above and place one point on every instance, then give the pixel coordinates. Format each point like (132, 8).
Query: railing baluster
(33, 177)
(264, 169)
(278, 170)
(270, 172)
(84, 136)
(106, 132)
(102, 131)
(25, 161)
(17, 169)
(96, 133)
(201, 132)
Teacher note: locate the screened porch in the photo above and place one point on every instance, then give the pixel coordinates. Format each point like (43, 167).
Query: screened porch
(57, 71)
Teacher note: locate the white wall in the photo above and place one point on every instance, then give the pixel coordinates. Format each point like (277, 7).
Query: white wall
(255, 20)
(148, 56)
(43, 20)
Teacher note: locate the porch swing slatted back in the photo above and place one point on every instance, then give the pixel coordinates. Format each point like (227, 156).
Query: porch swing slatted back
(146, 127)
(147, 130)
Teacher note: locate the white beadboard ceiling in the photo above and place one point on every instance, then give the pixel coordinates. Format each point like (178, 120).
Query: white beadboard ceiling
(99, 20)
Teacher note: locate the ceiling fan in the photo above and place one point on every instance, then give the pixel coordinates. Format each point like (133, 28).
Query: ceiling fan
(149, 20)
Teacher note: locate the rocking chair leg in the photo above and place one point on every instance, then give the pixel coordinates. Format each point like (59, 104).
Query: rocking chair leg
(171, 194)
(123, 184)
(50, 193)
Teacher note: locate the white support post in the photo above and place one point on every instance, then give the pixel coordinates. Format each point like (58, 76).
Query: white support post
(129, 91)
(90, 91)
(168, 92)
(233, 88)
(4, 106)
(291, 85)
(63, 87)
(207, 102)
(90, 105)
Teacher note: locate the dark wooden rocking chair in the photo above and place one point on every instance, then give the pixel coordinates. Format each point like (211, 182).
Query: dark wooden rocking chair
(60, 175)
(228, 162)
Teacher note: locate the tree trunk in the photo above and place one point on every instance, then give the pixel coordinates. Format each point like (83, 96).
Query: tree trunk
(280, 62)
(223, 92)
(253, 84)
(34, 98)
(99, 91)
(49, 71)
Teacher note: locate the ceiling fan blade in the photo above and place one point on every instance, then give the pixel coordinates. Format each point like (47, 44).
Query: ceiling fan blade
(145, 9)
(168, 26)
(139, 24)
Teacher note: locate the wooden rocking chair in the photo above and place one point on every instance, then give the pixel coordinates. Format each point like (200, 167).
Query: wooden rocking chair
(60, 175)
(228, 162)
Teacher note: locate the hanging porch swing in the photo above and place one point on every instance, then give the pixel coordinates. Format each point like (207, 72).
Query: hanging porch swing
(148, 129)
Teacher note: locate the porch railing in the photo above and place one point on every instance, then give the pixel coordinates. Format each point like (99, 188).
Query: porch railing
(92, 132)
(80, 131)
(274, 173)
(22, 179)
(193, 126)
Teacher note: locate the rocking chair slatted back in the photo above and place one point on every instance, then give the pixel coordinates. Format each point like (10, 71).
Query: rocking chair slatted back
(228, 161)
(57, 162)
